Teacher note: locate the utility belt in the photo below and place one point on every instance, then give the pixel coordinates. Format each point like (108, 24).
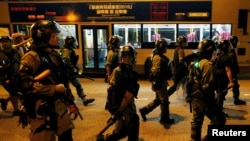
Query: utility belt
(38, 107)
(46, 111)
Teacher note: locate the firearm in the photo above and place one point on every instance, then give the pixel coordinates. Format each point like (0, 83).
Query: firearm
(68, 98)
(84, 76)
(189, 86)
(80, 73)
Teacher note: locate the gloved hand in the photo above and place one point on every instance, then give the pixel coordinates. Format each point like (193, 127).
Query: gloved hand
(117, 115)
(73, 113)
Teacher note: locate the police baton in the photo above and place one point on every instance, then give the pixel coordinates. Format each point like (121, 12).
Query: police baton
(110, 122)
(84, 76)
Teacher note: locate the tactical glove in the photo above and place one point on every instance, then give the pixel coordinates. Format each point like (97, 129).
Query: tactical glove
(117, 115)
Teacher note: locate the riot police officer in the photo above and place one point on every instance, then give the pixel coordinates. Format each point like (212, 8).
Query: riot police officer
(42, 96)
(235, 71)
(123, 88)
(160, 72)
(112, 56)
(200, 90)
(179, 65)
(10, 59)
(69, 56)
(223, 72)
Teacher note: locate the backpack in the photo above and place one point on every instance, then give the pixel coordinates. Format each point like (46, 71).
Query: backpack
(147, 65)
(166, 67)
(217, 70)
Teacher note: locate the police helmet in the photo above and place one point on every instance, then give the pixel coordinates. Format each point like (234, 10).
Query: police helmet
(234, 41)
(5, 38)
(182, 39)
(206, 48)
(225, 46)
(41, 30)
(114, 42)
(70, 41)
(128, 50)
(161, 44)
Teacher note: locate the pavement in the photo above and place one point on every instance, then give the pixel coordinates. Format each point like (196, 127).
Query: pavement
(95, 117)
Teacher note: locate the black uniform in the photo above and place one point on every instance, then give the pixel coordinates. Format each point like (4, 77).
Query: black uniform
(120, 101)
(112, 57)
(179, 69)
(235, 71)
(47, 98)
(9, 62)
(200, 90)
(221, 79)
(160, 72)
(70, 59)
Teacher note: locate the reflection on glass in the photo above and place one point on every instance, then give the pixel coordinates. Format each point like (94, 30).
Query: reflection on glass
(194, 32)
(129, 33)
(24, 29)
(67, 30)
(221, 31)
(153, 32)
(102, 47)
(88, 48)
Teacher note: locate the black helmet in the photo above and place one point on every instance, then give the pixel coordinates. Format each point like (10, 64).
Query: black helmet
(206, 48)
(5, 38)
(161, 44)
(181, 39)
(234, 40)
(225, 46)
(128, 50)
(41, 30)
(70, 41)
(114, 42)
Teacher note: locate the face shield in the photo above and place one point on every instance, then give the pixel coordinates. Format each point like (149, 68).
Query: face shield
(66, 31)
(61, 35)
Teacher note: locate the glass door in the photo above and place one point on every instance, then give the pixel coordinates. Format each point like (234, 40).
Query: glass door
(95, 39)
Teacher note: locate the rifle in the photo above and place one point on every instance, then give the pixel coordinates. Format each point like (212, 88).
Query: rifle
(68, 98)
(80, 73)
(87, 77)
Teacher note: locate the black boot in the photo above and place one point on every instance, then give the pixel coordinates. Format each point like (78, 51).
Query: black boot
(148, 108)
(236, 95)
(84, 98)
(165, 116)
(239, 102)
(143, 113)
(87, 101)
(4, 104)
